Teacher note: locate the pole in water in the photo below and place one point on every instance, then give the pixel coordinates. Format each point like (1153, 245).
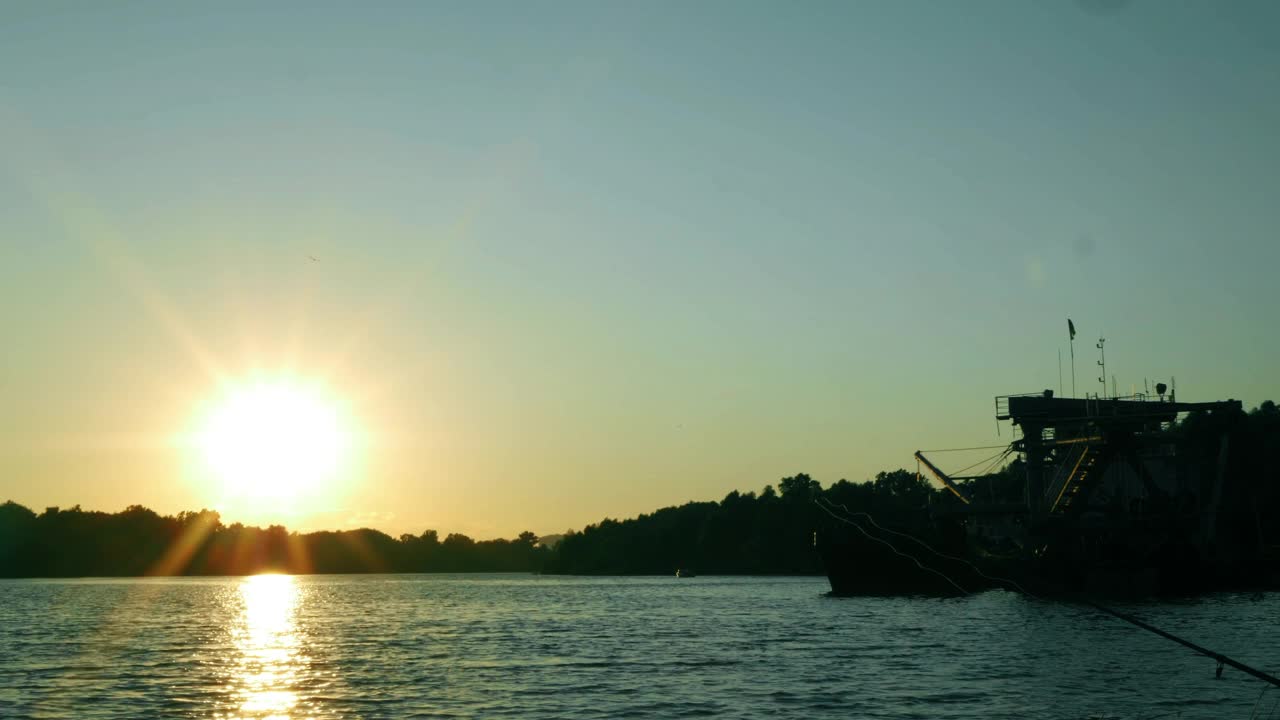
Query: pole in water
(1222, 659)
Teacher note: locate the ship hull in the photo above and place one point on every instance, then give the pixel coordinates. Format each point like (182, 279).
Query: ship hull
(866, 559)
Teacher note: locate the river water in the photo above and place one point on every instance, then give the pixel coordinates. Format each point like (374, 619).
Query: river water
(492, 646)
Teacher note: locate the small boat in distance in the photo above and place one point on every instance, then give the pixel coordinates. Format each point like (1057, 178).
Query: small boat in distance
(683, 573)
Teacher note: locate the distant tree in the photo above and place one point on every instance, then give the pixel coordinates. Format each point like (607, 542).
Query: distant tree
(903, 487)
(799, 488)
(458, 540)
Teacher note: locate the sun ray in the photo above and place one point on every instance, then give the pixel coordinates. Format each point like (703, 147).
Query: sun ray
(50, 183)
(178, 555)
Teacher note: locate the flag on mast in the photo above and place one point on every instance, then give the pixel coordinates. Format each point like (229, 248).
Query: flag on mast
(1071, 328)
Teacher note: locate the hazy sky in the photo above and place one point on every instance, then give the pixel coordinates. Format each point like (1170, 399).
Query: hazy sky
(589, 259)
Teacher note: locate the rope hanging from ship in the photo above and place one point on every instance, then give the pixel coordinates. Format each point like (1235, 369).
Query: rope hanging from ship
(895, 550)
(829, 508)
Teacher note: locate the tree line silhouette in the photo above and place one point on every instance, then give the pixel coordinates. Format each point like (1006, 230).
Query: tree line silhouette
(770, 532)
(746, 533)
(138, 541)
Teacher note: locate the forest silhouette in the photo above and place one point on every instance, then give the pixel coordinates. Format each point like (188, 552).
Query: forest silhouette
(770, 532)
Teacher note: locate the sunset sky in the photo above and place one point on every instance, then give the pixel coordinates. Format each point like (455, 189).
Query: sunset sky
(551, 262)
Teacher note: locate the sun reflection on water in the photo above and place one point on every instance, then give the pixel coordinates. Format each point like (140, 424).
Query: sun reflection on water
(270, 648)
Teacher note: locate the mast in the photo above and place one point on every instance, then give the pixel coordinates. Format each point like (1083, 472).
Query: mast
(1102, 378)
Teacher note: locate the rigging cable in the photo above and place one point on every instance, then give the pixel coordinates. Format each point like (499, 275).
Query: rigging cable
(994, 465)
(983, 447)
(995, 457)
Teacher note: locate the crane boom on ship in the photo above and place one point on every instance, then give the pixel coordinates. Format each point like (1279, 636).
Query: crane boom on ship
(943, 478)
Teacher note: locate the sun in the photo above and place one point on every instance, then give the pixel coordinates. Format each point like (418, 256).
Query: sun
(276, 439)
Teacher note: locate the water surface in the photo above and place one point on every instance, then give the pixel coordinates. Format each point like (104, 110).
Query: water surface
(400, 646)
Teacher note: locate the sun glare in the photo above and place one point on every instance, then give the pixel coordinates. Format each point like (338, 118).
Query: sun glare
(279, 440)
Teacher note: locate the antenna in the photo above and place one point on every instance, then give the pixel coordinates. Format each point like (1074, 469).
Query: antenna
(1102, 351)
(1059, 372)
(1071, 339)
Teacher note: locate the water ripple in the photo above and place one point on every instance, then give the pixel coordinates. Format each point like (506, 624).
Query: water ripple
(537, 647)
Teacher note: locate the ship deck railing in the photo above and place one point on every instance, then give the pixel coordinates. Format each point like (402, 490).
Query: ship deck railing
(1093, 407)
(1002, 403)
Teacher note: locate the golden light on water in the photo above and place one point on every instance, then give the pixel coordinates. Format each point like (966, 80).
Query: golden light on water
(278, 440)
(270, 648)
